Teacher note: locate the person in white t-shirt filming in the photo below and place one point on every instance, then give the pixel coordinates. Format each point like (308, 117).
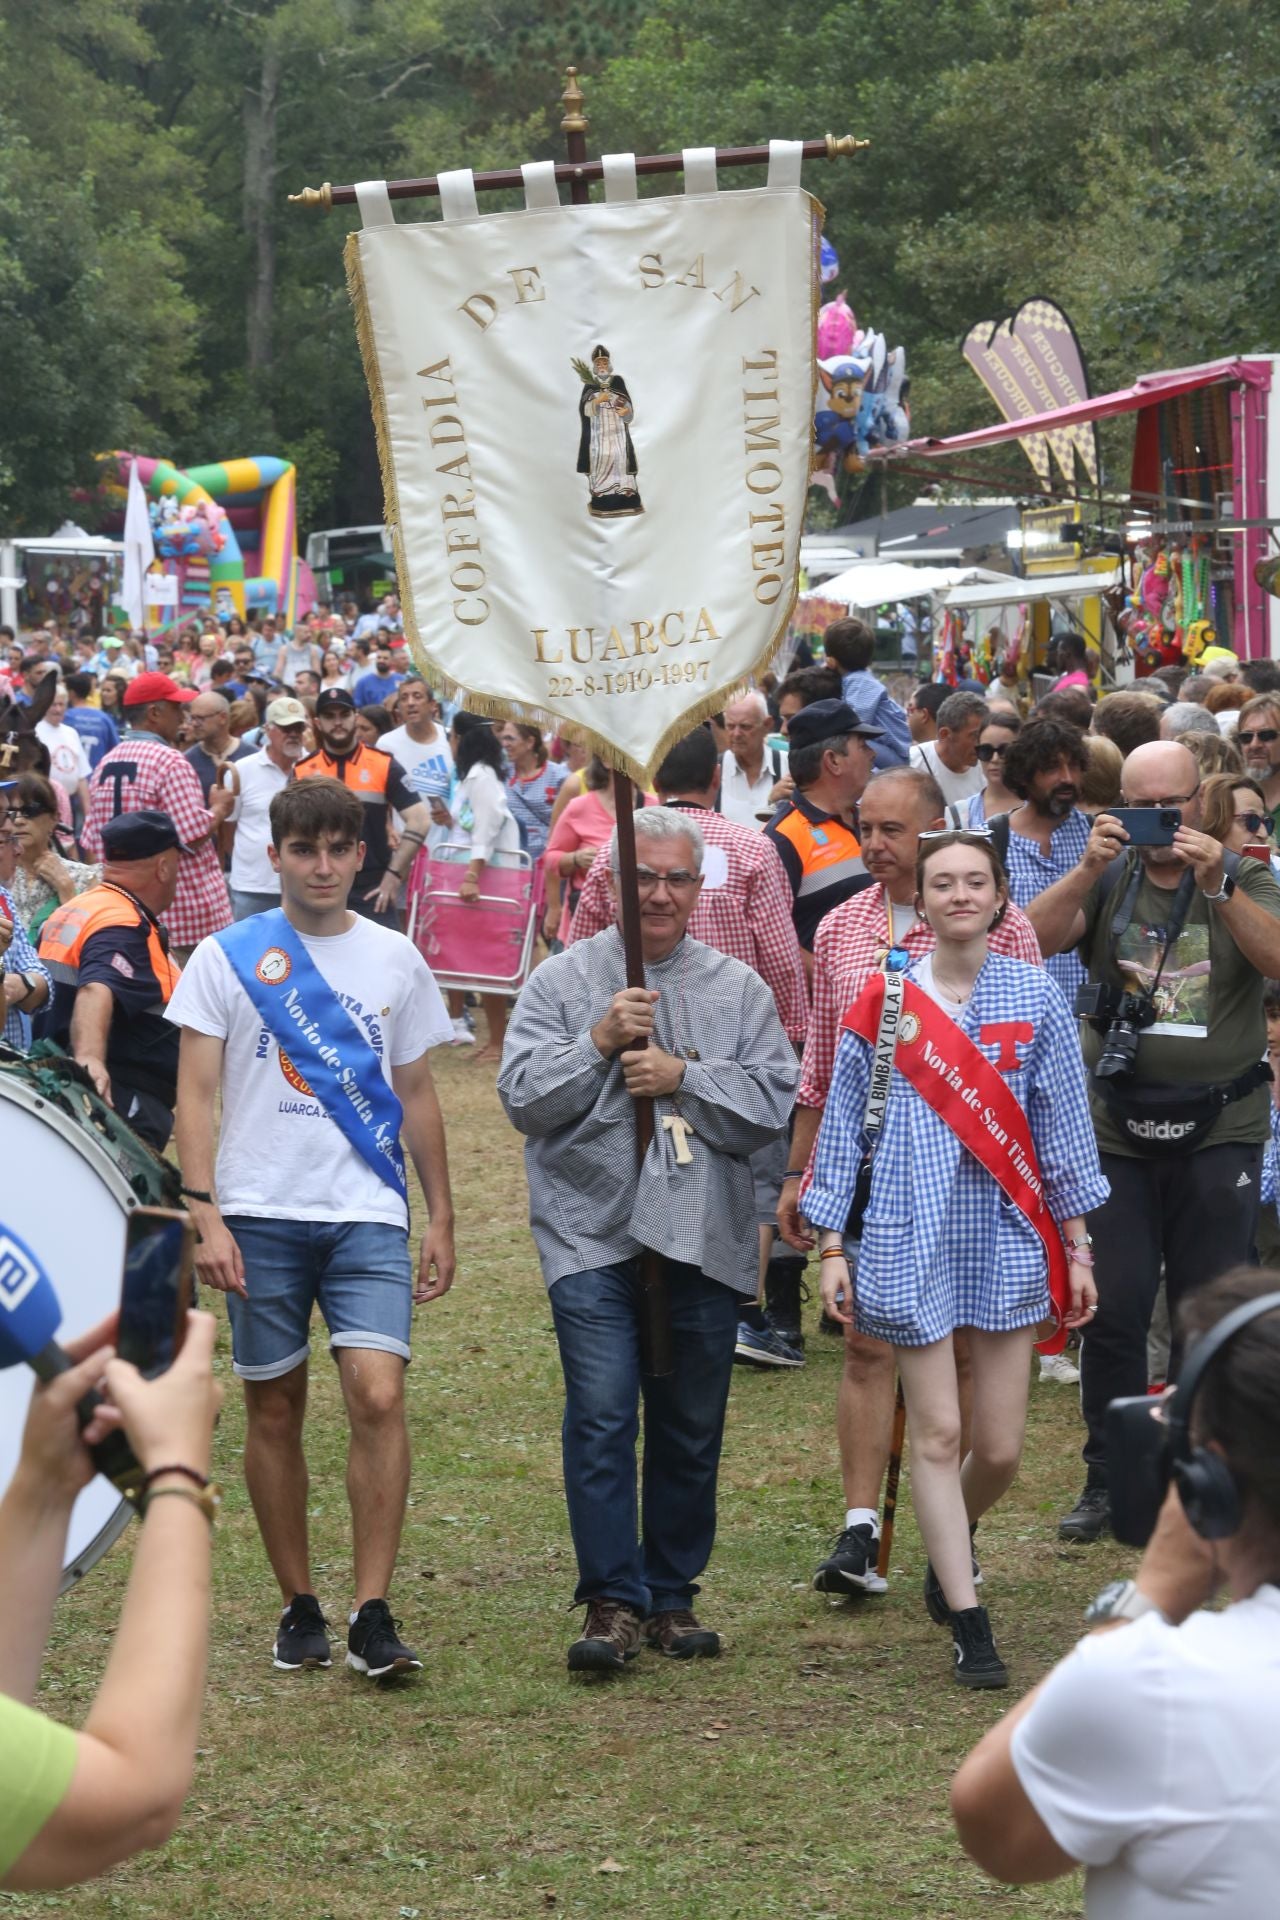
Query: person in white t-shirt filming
(316, 1026)
(1149, 1754)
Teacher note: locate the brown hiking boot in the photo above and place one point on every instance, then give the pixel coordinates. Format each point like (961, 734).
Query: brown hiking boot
(609, 1639)
(678, 1633)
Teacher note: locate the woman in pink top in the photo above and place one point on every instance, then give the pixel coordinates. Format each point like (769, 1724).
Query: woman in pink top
(576, 838)
(1073, 659)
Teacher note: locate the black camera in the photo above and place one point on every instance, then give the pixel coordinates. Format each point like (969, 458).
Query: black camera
(1122, 1016)
(1138, 1466)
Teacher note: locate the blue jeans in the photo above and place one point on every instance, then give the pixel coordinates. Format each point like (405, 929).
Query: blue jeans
(597, 1319)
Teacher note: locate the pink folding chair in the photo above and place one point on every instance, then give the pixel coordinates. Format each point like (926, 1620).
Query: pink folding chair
(482, 946)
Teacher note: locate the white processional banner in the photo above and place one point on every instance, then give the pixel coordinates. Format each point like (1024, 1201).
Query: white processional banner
(595, 427)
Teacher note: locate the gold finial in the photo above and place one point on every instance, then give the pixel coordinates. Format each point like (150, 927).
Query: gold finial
(313, 197)
(575, 120)
(842, 144)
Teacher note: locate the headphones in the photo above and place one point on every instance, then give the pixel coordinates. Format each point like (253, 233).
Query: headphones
(1206, 1485)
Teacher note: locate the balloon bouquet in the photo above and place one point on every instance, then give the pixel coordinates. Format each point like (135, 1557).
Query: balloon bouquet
(863, 402)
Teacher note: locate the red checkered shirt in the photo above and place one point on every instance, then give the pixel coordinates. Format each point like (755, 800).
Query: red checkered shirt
(144, 772)
(748, 916)
(851, 942)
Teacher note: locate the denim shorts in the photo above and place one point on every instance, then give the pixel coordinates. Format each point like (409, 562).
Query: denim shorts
(357, 1272)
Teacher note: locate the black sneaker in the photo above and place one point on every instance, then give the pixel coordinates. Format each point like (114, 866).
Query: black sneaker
(1089, 1519)
(784, 1296)
(977, 1662)
(301, 1640)
(374, 1645)
(935, 1600)
(850, 1567)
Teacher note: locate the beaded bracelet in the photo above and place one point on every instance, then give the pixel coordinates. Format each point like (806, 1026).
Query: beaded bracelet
(190, 1473)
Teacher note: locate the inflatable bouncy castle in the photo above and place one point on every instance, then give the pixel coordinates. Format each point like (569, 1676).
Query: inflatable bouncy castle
(229, 532)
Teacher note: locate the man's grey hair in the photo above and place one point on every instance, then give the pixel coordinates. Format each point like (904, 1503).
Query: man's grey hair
(662, 823)
(1184, 716)
(750, 697)
(958, 710)
(928, 794)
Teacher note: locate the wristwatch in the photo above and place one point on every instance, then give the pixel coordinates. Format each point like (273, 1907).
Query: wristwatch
(1122, 1600)
(1224, 892)
(30, 981)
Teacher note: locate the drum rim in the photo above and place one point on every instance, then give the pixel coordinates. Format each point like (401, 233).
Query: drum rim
(104, 1539)
(77, 1135)
(92, 1150)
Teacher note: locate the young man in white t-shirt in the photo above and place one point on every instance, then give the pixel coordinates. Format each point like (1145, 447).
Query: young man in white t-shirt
(296, 1216)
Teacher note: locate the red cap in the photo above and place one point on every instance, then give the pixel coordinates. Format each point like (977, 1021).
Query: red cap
(146, 687)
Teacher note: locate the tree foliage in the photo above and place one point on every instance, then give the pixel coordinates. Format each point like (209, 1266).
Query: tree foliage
(157, 291)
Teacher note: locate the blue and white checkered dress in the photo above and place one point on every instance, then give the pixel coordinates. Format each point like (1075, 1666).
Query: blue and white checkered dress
(1269, 1184)
(941, 1246)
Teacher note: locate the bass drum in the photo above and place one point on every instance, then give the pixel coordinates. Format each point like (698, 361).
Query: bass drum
(72, 1174)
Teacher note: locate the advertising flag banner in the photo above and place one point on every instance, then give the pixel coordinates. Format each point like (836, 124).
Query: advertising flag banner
(594, 425)
(1031, 363)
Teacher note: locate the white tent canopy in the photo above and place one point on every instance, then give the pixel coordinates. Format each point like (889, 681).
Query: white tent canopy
(875, 582)
(1016, 592)
(70, 539)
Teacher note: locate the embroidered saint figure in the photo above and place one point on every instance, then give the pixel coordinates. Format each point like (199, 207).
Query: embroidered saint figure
(605, 452)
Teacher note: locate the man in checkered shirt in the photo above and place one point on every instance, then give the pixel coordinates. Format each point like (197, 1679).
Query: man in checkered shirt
(897, 807)
(146, 771)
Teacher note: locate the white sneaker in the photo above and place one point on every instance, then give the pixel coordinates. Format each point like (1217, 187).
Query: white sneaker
(1060, 1369)
(462, 1034)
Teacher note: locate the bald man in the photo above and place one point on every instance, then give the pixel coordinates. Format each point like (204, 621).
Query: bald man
(1190, 933)
(209, 718)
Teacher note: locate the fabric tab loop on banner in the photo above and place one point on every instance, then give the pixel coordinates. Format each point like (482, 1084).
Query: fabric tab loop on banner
(540, 189)
(700, 170)
(374, 203)
(619, 176)
(458, 194)
(785, 157)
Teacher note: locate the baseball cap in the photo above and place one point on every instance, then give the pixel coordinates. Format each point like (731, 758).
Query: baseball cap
(146, 687)
(110, 640)
(827, 720)
(137, 836)
(285, 712)
(335, 700)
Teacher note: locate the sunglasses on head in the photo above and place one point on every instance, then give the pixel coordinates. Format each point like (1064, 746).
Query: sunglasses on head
(961, 835)
(1244, 735)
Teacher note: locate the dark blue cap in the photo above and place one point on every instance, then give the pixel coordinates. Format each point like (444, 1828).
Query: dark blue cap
(826, 720)
(138, 836)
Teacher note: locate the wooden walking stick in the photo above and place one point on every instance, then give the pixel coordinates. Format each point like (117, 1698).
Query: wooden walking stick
(891, 1483)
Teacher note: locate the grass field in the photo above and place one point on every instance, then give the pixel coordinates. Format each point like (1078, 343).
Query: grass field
(803, 1774)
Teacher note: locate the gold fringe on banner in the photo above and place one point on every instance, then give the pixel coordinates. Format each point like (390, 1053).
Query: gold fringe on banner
(494, 706)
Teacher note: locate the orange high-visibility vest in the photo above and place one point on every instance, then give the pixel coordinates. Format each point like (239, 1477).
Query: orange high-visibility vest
(66, 931)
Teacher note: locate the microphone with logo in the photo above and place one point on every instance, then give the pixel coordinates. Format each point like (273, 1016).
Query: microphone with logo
(30, 1315)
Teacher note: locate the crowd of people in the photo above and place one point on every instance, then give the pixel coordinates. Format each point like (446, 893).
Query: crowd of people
(973, 1000)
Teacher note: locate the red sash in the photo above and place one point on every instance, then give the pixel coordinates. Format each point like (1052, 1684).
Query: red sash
(965, 1090)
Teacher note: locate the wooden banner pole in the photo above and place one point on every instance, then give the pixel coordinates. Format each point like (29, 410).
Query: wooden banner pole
(656, 1356)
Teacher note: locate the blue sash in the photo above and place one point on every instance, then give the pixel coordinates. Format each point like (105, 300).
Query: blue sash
(300, 1010)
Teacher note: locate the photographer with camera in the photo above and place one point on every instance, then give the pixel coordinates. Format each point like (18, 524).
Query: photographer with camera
(1179, 937)
(1148, 1754)
(74, 1804)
